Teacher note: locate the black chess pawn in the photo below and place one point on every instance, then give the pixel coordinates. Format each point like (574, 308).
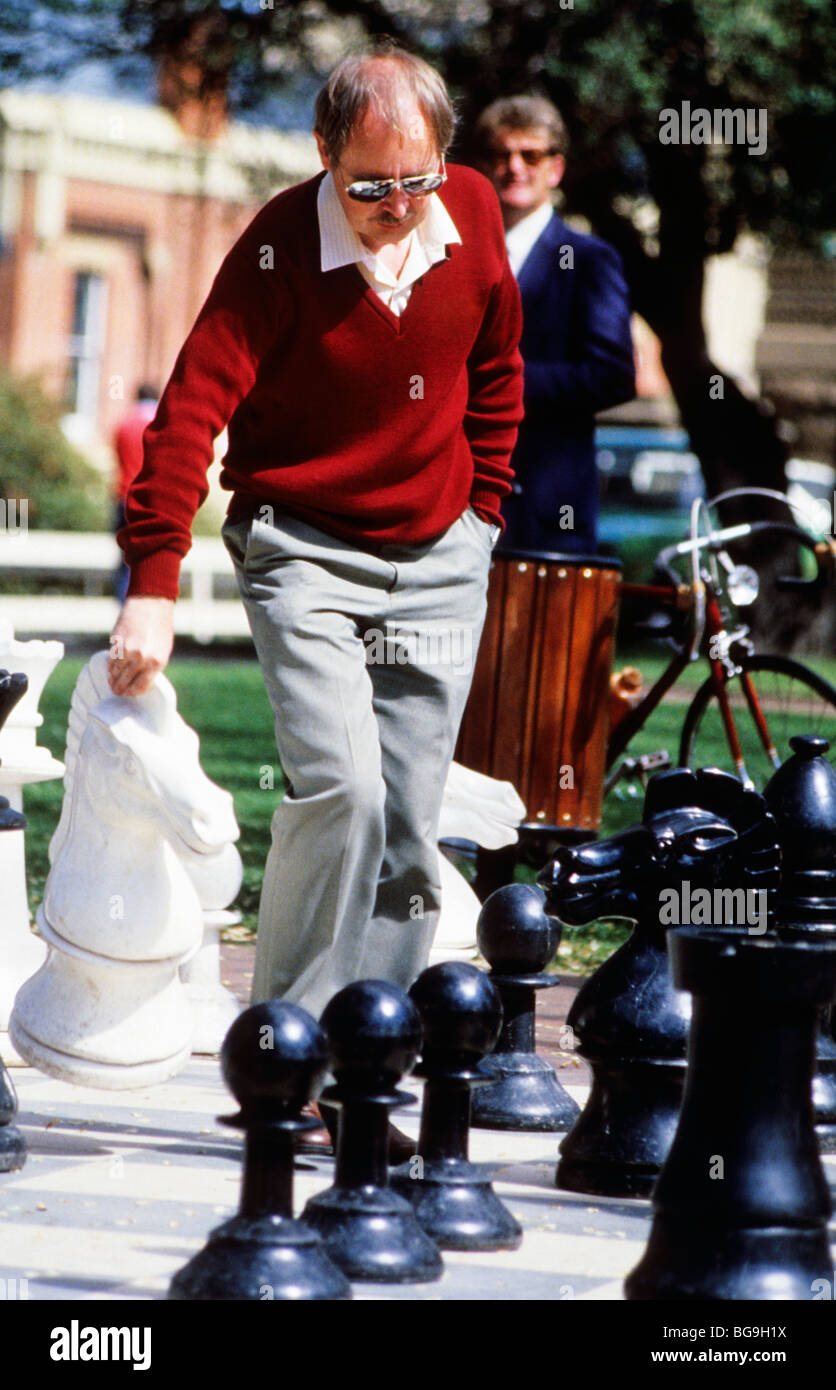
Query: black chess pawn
(273, 1058)
(741, 1205)
(701, 832)
(12, 1143)
(518, 940)
(370, 1232)
(802, 797)
(461, 1014)
(13, 687)
(10, 819)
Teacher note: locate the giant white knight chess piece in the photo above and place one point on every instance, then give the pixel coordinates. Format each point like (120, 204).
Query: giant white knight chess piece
(22, 762)
(486, 812)
(145, 839)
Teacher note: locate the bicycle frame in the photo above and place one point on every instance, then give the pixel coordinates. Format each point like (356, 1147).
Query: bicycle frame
(624, 732)
(708, 637)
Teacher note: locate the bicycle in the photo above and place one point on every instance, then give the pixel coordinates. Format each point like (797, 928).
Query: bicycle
(751, 702)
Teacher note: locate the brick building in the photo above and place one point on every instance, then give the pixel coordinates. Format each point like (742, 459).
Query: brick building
(114, 218)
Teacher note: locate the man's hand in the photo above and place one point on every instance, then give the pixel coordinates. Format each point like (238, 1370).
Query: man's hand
(140, 644)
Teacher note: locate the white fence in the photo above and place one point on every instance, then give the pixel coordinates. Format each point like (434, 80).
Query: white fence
(203, 612)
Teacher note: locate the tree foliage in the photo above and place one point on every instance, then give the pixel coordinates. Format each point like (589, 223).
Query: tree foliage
(611, 70)
(62, 491)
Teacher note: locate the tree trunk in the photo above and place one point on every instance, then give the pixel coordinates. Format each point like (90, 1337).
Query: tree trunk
(735, 436)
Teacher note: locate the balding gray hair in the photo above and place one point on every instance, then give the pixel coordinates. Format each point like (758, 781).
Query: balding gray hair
(390, 81)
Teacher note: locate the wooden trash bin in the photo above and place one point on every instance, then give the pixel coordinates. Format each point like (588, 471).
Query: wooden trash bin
(538, 711)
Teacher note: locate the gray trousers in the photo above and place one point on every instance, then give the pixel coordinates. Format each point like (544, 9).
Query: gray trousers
(367, 659)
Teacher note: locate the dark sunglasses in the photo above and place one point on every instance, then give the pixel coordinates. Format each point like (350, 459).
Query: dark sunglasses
(530, 157)
(375, 190)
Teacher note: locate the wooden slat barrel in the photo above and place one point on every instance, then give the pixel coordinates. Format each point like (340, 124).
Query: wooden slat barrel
(538, 712)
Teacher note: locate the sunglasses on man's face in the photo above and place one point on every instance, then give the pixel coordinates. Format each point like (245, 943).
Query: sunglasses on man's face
(531, 157)
(375, 190)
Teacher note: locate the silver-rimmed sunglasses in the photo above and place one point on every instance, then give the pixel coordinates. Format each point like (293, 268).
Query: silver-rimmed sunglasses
(375, 190)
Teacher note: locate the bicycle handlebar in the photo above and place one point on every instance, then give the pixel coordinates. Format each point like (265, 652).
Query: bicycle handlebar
(824, 551)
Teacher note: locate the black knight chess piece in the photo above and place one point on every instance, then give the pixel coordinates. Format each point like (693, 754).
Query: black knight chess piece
(741, 1205)
(273, 1058)
(13, 687)
(701, 834)
(802, 797)
(461, 1014)
(370, 1232)
(518, 940)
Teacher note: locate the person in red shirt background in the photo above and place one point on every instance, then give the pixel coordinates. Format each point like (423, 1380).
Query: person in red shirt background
(127, 445)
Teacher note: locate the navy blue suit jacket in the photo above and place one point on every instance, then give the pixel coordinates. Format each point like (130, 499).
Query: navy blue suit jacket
(578, 357)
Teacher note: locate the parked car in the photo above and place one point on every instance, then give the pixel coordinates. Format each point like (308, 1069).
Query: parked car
(649, 477)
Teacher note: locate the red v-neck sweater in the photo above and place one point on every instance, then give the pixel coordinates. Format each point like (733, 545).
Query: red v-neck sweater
(371, 427)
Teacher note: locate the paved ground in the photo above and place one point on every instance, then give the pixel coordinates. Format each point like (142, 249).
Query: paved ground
(120, 1189)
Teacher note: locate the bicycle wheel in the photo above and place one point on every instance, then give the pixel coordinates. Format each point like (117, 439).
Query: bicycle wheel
(793, 699)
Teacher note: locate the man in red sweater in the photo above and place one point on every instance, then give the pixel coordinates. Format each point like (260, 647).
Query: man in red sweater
(360, 342)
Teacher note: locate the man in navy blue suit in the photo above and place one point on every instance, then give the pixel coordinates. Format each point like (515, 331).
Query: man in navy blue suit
(576, 342)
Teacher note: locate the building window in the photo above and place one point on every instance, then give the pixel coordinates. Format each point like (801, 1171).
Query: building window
(87, 343)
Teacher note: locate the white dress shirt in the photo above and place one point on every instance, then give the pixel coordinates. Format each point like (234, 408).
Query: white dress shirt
(340, 245)
(520, 239)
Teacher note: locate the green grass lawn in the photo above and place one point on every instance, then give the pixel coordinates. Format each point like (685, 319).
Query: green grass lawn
(223, 699)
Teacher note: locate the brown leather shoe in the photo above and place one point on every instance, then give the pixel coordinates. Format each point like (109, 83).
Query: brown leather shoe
(315, 1141)
(401, 1147)
(324, 1141)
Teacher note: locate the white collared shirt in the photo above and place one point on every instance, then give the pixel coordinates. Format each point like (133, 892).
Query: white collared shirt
(520, 239)
(340, 245)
